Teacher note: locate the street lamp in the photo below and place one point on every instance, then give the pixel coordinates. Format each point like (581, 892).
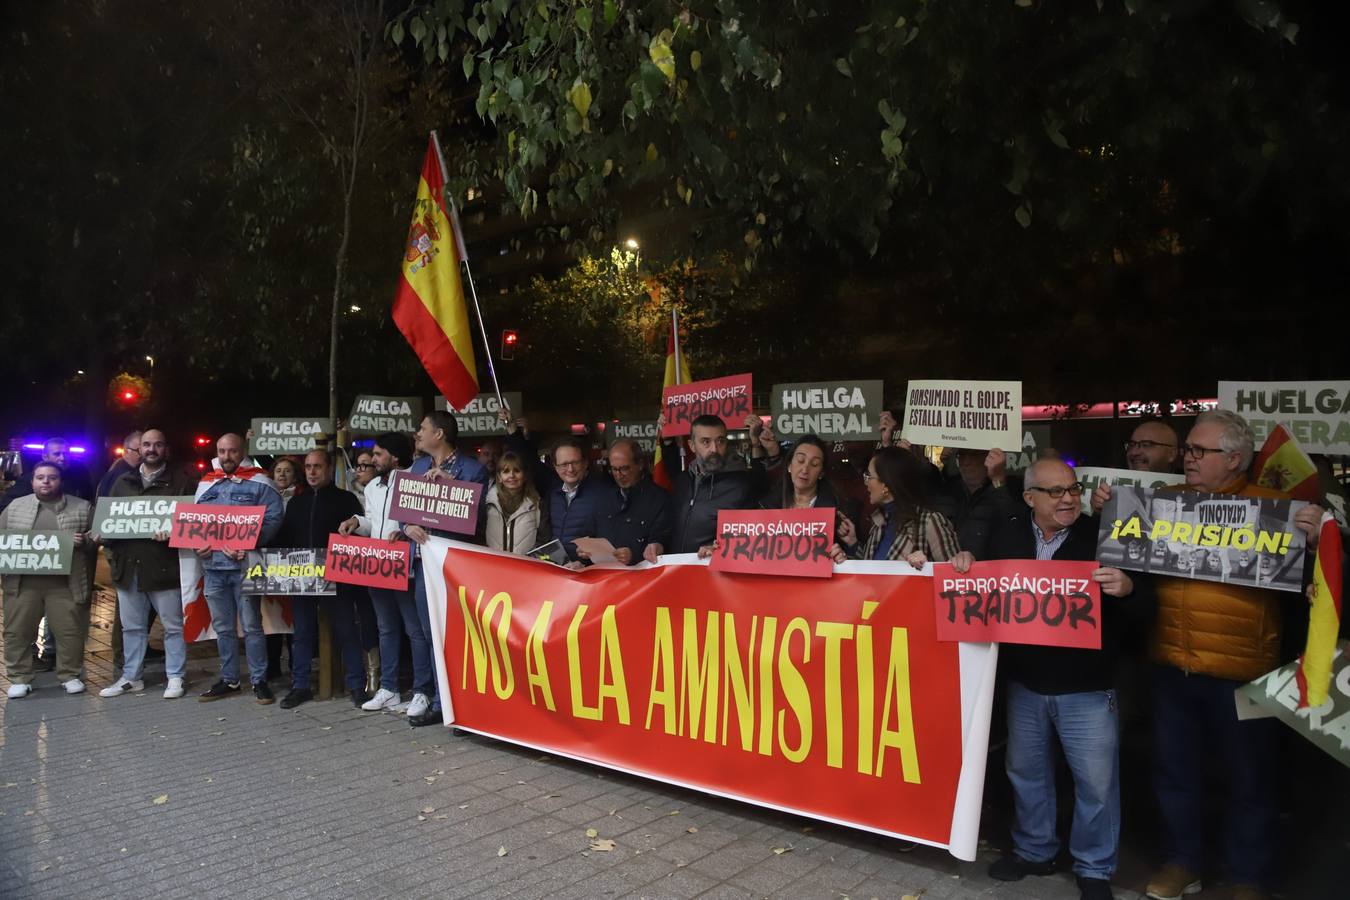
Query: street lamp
(151, 361)
(632, 244)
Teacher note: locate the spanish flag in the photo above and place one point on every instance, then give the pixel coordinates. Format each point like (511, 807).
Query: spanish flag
(1324, 620)
(1284, 466)
(429, 306)
(677, 372)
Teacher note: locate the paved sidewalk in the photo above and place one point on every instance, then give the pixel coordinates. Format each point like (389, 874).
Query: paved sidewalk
(146, 797)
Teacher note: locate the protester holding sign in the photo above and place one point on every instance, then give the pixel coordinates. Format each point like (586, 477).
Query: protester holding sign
(517, 520)
(1210, 639)
(145, 573)
(236, 485)
(902, 527)
(63, 599)
(640, 514)
(708, 485)
(310, 518)
(395, 610)
(975, 498)
(805, 483)
(436, 437)
(1065, 694)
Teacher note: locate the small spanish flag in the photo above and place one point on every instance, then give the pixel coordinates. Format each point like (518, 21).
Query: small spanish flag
(677, 372)
(1324, 621)
(1284, 466)
(429, 306)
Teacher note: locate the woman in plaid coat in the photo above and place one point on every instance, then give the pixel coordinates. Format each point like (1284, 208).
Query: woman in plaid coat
(902, 526)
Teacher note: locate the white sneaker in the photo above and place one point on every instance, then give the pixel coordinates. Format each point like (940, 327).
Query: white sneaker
(73, 686)
(174, 690)
(119, 687)
(420, 704)
(381, 700)
(18, 690)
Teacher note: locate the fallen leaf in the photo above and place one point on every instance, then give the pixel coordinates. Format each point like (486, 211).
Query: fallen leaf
(421, 818)
(910, 897)
(221, 719)
(675, 813)
(430, 779)
(44, 867)
(428, 809)
(464, 806)
(441, 816)
(592, 833)
(10, 784)
(779, 851)
(691, 830)
(216, 733)
(326, 728)
(502, 851)
(603, 845)
(123, 850)
(161, 800)
(210, 780)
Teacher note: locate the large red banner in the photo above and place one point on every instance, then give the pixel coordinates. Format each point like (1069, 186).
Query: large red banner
(828, 697)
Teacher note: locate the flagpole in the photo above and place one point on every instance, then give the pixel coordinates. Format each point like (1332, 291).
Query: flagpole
(679, 375)
(468, 272)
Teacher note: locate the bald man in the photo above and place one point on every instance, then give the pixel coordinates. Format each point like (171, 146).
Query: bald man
(236, 485)
(1153, 447)
(1063, 693)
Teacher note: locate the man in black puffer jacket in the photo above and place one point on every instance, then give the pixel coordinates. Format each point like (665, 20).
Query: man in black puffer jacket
(310, 518)
(707, 486)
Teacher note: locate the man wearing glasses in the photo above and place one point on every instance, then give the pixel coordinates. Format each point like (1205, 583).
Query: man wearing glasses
(1210, 639)
(577, 503)
(1063, 694)
(641, 511)
(1152, 447)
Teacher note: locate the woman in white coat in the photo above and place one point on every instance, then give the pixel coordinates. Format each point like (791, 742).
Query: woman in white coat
(517, 521)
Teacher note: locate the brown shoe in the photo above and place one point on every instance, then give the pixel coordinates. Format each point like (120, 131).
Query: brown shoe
(1249, 892)
(1172, 882)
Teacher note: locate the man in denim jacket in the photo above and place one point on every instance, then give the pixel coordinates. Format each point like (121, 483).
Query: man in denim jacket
(236, 485)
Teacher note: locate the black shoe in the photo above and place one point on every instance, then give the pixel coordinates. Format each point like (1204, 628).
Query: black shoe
(430, 717)
(1011, 867)
(291, 700)
(44, 662)
(218, 690)
(262, 693)
(359, 696)
(1094, 889)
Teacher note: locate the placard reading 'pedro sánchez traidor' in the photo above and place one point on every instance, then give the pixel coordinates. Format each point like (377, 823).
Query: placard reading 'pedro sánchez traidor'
(727, 398)
(207, 526)
(831, 410)
(967, 415)
(775, 541)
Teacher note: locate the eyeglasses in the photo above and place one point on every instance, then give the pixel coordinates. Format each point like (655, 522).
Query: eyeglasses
(621, 470)
(1145, 445)
(572, 464)
(1059, 490)
(365, 465)
(1199, 452)
(867, 476)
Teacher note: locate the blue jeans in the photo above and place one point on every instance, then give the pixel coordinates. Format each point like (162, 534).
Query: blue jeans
(393, 626)
(133, 608)
(422, 616)
(342, 619)
(1088, 729)
(1195, 728)
(229, 607)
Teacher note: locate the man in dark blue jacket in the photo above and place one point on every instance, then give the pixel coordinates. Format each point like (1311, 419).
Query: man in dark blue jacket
(578, 503)
(310, 518)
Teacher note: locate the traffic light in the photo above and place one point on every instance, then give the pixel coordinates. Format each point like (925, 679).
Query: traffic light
(202, 440)
(128, 397)
(510, 339)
